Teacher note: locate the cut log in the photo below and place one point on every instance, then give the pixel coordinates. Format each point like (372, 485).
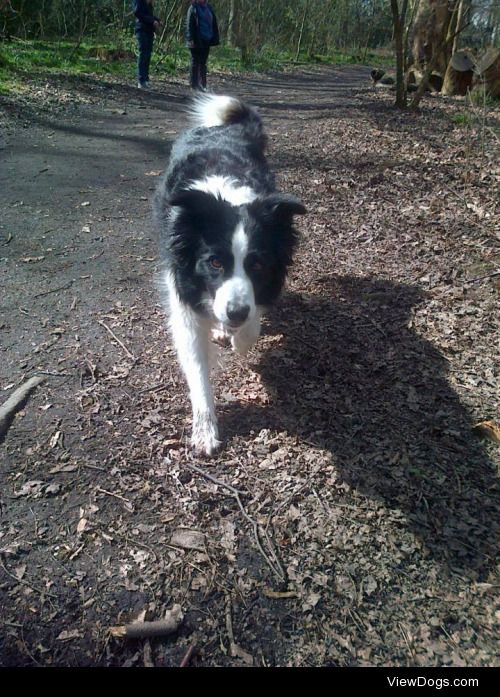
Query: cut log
(459, 74)
(487, 73)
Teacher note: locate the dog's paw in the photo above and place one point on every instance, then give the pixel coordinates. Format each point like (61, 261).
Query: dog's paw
(205, 438)
(205, 444)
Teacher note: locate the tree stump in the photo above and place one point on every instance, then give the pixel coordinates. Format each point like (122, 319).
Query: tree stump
(488, 73)
(459, 74)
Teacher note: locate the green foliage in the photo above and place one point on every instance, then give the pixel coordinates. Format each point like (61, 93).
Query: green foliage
(462, 119)
(478, 97)
(21, 60)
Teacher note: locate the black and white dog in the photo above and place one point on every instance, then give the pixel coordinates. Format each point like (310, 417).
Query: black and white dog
(227, 239)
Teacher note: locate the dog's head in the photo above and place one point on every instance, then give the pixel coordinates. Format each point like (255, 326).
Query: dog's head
(229, 259)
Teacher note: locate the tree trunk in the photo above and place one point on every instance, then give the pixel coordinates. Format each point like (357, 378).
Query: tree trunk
(230, 23)
(460, 14)
(399, 23)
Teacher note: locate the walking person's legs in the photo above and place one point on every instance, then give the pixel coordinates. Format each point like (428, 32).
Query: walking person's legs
(203, 66)
(145, 41)
(194, 74)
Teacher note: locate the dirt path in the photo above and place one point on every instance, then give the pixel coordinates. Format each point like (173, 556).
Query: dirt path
(349, 433)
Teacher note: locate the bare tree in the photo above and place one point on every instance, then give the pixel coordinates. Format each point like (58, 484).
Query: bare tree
(398, 19)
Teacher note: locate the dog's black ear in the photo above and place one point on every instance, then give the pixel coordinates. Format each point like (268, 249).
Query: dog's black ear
(193, 200)
(278, 206)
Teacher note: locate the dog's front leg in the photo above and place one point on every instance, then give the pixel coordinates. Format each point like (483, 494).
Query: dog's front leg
(243, 340)
(191, 338)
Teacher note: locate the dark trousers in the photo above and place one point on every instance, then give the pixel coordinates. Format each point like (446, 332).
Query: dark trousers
(198, 75)
(145, 40)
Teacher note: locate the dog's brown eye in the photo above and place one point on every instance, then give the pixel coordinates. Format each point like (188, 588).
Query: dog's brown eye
(215, 263)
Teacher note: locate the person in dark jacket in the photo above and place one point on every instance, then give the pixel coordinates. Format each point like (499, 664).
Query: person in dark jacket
(145, 26)
(202, 32)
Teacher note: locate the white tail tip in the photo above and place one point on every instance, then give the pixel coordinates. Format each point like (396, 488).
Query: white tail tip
(211, 110)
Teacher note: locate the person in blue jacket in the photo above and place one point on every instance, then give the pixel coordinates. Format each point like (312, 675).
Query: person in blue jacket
(145, 26)
(202, 32)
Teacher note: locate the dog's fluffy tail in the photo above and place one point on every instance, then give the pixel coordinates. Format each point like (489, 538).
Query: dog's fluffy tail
(211, 110)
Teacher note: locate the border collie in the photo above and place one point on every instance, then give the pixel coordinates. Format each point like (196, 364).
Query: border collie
(227, 239)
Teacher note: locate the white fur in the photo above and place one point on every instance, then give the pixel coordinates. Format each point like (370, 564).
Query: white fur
(191, 335)
(225, 188)
(210, 110)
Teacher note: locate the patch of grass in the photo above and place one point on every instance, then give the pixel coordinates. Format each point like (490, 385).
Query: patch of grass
(23, 60)
(478, 97)
(462, 119)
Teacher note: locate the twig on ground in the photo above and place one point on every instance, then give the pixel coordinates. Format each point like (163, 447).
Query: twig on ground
(276, 595)
(116, 496)
(54, 290)
(482, 278)
(129, 354)
(188, 656)
(231, 488)
(234, 650)
(273, 564)
(40, 591)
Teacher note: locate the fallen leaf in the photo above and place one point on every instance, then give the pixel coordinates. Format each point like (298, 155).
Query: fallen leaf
(188, 539)
(82, 524)
(237, 652)
(30, 488)
(19, 571)
(69, 634)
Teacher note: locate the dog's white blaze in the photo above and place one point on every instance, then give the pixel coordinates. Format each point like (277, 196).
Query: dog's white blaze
(237, 291)
(225, 188)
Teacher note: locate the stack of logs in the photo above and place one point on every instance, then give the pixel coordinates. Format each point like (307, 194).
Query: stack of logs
(464, 73)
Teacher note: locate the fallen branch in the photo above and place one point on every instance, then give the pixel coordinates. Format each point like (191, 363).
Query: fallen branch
(213, 479)
(16, 402)
(146, 630)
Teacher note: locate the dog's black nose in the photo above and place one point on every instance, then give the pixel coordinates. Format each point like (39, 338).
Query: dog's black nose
(237, 314)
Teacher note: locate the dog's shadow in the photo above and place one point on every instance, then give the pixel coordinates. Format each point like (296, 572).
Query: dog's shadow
(352, 377)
